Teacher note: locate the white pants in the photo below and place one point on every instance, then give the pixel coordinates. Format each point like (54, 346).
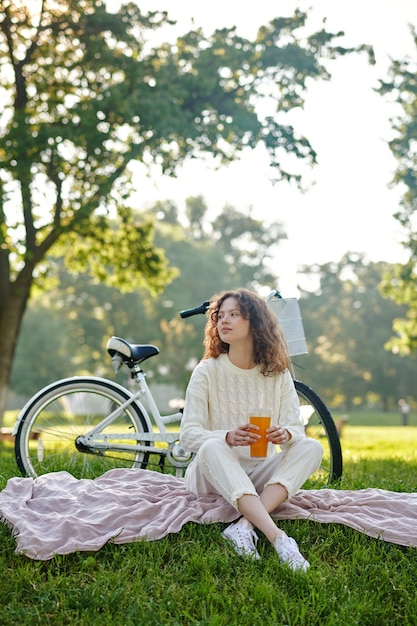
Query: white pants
(218, 469)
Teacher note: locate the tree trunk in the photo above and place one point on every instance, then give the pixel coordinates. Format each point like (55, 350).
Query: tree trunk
(11, 315)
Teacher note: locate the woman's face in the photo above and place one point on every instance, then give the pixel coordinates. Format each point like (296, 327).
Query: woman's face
(231, 326)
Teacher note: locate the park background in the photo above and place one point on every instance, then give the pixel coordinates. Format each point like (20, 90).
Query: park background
(331, 246)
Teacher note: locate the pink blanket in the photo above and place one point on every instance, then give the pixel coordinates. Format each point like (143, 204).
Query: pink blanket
(58, 514)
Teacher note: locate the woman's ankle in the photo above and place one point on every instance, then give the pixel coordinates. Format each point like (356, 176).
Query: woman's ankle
(279, 534)
(243, 521)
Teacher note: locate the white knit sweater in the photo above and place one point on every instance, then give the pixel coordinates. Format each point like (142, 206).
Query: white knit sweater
(219, 396)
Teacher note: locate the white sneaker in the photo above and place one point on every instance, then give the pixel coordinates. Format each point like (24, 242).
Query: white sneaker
(289, 553)
(243, 540)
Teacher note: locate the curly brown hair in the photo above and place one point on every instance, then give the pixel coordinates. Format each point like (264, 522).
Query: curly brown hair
(268, 339)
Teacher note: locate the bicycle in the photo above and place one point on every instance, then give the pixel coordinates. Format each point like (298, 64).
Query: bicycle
(88, 425)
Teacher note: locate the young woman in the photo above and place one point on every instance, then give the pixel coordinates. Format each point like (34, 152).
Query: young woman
(246, 365)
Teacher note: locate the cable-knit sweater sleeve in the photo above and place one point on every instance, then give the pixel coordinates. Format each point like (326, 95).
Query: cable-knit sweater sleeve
(196, 424)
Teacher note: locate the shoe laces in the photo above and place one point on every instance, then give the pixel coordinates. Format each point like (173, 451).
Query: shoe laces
(243, 538)
(246, 538)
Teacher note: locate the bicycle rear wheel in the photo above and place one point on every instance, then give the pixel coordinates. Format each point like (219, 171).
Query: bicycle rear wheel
(320, 425)
(46, 439)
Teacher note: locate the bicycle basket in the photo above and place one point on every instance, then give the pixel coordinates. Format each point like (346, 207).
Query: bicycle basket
(288, 313)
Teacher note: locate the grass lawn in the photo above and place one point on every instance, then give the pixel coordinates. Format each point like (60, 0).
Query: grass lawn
(193, 577)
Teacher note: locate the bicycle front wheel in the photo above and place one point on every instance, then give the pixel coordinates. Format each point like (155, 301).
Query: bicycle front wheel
(319, 425)
(46, 439)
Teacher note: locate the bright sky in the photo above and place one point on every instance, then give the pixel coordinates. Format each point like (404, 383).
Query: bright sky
(350, 207)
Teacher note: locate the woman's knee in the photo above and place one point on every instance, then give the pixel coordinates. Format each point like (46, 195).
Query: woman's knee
(310, 447)
(315, 450)
(213, 448)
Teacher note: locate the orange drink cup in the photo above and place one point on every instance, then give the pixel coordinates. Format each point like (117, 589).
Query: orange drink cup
(261, 418)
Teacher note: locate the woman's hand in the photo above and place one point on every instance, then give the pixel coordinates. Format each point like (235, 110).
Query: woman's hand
(242, 436)
(245, 435)
(278, 435)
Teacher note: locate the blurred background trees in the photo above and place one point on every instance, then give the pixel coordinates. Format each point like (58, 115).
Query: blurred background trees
(347, 321)
(400, 283)
(85, 92)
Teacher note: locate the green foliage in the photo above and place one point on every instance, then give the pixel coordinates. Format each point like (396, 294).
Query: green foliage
(73, 320)
(65, 330)
(88, 97)
(122, 255)
(348, 325)
(400, 283)
(85, 93)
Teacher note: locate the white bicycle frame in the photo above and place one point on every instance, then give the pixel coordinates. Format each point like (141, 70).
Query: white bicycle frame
(96, 440)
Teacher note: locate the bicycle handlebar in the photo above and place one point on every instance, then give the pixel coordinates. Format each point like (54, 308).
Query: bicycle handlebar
(202, 308)
(198, 310)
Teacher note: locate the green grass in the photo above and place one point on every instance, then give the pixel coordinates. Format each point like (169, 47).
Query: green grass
(193, 577)
(375, 418)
